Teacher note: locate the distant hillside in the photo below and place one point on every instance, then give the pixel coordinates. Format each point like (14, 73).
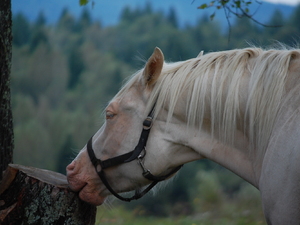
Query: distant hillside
(108, 12)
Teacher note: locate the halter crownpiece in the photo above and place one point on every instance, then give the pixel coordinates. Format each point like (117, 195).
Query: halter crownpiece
(138, 153)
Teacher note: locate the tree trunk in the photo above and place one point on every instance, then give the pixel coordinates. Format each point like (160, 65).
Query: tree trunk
(35, 196)
(6, 125)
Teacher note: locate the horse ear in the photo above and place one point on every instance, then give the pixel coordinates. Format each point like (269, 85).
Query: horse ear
(153, 67)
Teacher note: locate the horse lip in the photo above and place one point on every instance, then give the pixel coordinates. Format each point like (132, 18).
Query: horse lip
(75, 186)
(76, 189)
(79, 187)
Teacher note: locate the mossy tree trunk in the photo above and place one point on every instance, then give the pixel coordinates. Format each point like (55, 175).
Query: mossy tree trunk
(6, 124)
(32, 196)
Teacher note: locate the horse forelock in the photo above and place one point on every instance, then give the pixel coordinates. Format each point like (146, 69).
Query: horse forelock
(213, 82)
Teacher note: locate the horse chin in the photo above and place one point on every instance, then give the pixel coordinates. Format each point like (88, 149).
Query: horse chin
(91, 197)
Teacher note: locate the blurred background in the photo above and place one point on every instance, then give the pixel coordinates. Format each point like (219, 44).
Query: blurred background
(70, 60)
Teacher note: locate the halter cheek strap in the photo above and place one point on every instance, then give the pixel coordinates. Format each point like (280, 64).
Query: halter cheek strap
(138, 153)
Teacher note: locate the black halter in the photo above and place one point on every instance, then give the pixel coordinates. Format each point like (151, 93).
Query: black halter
(138, 153)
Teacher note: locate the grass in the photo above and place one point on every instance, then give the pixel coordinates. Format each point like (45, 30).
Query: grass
(208, 205)
(227, 216)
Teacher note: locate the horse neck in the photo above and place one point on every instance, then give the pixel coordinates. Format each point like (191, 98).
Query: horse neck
(233, 156)
(231, 103)
(231, 150)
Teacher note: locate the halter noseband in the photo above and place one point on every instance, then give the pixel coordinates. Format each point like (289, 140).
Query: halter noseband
(138, 153)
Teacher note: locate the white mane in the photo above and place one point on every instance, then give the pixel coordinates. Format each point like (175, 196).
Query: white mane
(213, 82)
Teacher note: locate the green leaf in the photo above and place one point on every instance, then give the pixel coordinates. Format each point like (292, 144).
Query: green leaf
(83, 2)
(203, 6)
(224, 2)
(238, 4)
(211, 3)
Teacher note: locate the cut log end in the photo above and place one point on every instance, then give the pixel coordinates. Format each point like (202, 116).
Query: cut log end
(35, 196)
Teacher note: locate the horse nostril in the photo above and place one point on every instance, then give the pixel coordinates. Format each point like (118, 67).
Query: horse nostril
(71, 166)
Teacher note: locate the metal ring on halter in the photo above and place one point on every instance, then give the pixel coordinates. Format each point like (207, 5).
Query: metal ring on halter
(140, 161)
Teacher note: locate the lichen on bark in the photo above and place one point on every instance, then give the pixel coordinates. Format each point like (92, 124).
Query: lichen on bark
(6, 122)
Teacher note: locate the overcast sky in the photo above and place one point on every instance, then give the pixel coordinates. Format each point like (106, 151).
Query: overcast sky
(289, 2)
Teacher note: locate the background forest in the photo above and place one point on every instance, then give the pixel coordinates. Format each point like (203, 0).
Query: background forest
(64, 74)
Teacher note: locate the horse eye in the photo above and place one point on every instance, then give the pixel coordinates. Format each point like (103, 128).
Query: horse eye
(109, 115)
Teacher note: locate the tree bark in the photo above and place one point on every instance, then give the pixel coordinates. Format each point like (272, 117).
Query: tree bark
(31, 196)
(6, 124)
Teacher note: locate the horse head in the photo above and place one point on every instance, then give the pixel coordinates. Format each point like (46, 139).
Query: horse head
(121, 143)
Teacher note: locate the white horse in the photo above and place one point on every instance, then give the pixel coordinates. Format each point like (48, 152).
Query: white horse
(239, 108)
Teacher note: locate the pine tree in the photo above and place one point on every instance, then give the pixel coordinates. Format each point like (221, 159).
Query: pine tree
(76, 66)
(172, 17)
(21, 30)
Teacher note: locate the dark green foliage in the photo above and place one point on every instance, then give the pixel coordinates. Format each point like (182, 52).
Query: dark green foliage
(39, 34)
(76, 67)
(21, 30)
(39, 37)
(172, 17)
(295, 18)
(66, 21)
(40, 21)
(84, 21)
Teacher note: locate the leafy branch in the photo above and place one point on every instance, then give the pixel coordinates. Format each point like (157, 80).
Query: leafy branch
(238, 8)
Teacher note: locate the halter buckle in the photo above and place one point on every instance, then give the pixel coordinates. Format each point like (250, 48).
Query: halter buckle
(147, 124)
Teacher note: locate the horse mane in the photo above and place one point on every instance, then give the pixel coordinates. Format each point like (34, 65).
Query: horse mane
(201, 82)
